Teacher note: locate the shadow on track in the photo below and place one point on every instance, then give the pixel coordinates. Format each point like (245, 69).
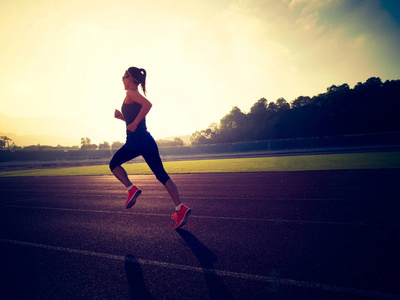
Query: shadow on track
(207, 258)
(134, 275)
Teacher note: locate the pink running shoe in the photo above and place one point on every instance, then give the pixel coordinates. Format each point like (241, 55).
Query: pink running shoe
(133, 194)
(181, 216)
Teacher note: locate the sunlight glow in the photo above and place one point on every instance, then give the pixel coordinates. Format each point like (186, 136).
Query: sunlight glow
(62, 61)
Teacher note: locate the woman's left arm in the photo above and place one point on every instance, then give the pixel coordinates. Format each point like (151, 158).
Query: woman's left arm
(134, 96)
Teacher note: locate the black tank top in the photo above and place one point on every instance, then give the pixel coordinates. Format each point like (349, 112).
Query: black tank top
(130, 112)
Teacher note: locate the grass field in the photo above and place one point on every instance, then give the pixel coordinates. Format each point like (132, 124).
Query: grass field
(376, 160)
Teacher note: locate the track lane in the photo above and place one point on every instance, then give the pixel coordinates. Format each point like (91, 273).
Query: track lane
(319, 254)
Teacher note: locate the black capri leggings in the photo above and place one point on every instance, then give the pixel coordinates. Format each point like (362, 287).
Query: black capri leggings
(152, 159)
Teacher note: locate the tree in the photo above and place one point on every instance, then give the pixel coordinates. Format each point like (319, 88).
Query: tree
(272, 107)
(367, 108)
(300, 102)
(87, 145)
(206, 136)
(235, 119)
(259, 108)
(85, 142)
(374, 82)
(257, 120)
(104, 146)
(2, 143)
(344, 88)
(116, 145)
(195, 137)
(282, 104)
(232, 126)
(4, 140)
(177, 142)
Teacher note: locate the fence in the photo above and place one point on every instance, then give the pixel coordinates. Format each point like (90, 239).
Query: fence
(356, 140)
(89, 157)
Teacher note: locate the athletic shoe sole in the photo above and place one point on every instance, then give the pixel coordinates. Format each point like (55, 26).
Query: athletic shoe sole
(184, 219)
(132, 201)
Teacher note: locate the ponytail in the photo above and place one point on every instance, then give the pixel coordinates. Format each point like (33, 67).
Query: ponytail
(143, 71)
(138, 75)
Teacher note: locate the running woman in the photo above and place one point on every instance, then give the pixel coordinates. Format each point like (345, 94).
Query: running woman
(140, 142)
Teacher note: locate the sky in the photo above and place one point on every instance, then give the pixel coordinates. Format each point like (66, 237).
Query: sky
(62, 61)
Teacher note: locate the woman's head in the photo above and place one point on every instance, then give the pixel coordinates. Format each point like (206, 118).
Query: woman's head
(138, 76)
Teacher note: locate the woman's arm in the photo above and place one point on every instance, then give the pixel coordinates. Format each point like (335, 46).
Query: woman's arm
(134, 96)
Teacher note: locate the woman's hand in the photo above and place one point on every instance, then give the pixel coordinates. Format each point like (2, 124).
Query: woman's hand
(119, 115)
(132, 127)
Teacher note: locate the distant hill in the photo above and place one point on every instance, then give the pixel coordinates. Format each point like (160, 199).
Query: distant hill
(185, 138)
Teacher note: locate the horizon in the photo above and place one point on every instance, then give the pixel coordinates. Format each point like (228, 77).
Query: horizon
(63, 62)
(54, 140)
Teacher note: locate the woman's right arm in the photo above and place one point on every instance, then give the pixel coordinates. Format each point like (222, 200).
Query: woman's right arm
(119, 115)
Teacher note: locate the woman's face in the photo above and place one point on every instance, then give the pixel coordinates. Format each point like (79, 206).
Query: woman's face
(126, 79)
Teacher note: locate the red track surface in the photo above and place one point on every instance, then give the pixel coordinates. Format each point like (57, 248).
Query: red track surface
(278, 235)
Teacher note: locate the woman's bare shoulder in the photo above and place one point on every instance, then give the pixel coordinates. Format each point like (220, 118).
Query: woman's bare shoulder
(132, 95)
(135, 96)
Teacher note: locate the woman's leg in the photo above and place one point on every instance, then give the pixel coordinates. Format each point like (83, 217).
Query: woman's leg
(182, 212)
(153, 160)
(121, 156)
(173, 191)
(122, 176)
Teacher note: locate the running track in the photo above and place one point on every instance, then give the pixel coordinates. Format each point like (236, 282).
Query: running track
(277, 235)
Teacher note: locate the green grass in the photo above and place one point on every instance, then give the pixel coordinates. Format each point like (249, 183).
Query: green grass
(376, 160)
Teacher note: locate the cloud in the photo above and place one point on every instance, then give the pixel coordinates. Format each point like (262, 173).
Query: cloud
(340, 37)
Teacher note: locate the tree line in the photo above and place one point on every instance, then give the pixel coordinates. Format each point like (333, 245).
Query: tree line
(86, 144)
(370, 107)
(5, 143)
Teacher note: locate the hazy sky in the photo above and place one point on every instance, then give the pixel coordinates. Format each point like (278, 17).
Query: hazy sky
(63, 60)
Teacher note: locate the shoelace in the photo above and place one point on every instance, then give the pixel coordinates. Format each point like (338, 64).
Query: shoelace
(174, 216)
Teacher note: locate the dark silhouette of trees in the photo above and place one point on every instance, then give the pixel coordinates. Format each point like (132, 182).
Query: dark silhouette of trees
(5, 141)
(104, 146)
(369, 107)
(116, 145)
(301, 101)
(86, 144)
(258, 120)
(232, 126)
(205, 136)
(177, 142)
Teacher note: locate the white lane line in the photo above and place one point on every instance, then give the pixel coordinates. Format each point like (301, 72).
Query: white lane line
(360, 201)
(28, 199)
(278, 220)
(86, 195)
(222, 273)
